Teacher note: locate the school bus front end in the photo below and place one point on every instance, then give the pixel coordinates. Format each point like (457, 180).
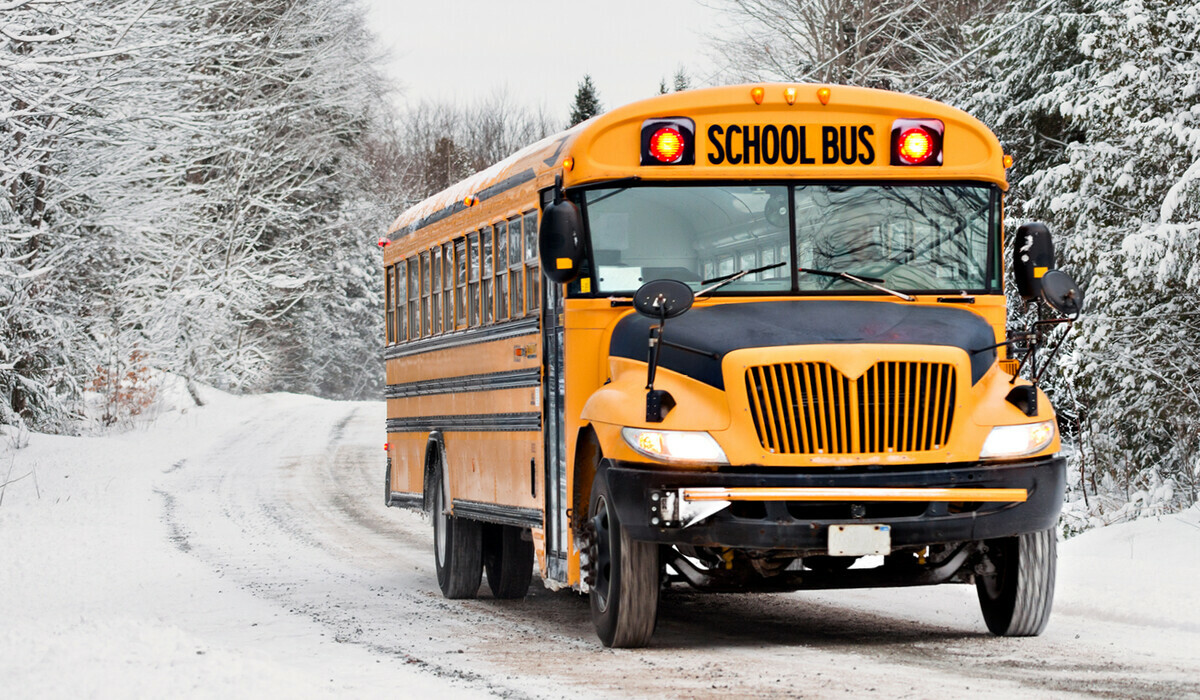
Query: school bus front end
(818, 394)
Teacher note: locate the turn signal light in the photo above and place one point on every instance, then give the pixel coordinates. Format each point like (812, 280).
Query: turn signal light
(669, 141)
(917, 142)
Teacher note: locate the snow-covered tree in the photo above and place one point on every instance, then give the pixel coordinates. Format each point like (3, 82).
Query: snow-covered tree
(586, 103)
(895, 44)
(1098, 98)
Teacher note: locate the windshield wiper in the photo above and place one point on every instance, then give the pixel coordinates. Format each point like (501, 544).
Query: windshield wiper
(727, 279)
(872, 282)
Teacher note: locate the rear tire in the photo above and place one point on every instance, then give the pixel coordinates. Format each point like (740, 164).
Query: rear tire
(1016, 599)
(508, 560)
(624, 592)
(458, 549)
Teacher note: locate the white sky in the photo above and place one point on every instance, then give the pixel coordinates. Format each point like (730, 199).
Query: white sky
(539, 50)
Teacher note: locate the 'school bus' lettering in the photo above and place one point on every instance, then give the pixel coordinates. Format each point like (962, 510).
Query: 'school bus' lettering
(741, 356)
(790, 144)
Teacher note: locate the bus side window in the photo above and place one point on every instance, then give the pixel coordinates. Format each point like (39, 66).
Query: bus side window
(401, 299)
(447, 287)
(502, 271)
(389, 284)
(473, 285)
(487, 304)
(436, 291)
(414, 300)
(424, 294)
(532, 282)
(460, 287)
(516, 272)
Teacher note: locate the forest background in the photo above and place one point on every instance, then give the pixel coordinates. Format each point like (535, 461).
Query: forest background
(194, 187)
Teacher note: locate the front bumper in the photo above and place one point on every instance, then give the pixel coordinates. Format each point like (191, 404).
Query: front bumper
(802, 525)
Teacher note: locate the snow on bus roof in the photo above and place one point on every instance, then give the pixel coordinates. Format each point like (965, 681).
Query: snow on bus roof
(459, 191)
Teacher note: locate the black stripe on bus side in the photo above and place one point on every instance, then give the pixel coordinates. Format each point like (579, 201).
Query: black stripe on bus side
(414, 501)
(494, 513)
(472, 336)
(477, 423)
(492, 381)
(486, 193)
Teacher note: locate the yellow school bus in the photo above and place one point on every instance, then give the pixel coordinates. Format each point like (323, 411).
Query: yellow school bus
(741, 338)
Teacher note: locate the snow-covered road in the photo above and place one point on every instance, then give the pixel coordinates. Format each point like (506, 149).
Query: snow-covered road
(243, 549)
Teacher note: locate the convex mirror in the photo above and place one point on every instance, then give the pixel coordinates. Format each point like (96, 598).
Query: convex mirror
(661, 299)
(1061, 293)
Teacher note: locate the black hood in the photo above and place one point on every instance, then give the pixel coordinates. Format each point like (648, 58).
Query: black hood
(728, 327)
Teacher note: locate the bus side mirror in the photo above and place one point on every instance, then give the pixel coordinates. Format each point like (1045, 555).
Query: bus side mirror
(1033, 257)
(560, 241)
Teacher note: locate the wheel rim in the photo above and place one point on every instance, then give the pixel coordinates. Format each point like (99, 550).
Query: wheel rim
(439, 527)
(603, 565)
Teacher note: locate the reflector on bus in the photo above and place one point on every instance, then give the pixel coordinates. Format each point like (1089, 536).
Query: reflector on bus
(669, 141)
(917, 141)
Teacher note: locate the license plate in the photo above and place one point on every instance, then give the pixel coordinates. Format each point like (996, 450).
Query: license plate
(859, 540)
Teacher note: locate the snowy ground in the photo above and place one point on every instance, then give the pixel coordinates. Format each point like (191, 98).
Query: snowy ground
(243, 549)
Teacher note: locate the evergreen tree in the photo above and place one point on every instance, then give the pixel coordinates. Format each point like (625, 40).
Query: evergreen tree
(662, 87)
(1102, 116)
(682, 81)
(587, 102)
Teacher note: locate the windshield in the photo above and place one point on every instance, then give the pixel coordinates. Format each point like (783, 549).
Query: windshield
(920, 238)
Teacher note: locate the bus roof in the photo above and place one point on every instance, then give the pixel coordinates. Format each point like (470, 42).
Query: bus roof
(608, 146)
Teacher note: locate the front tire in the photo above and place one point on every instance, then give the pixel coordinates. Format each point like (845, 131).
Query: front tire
(1016, 598)
(458, 549)
(624, 592)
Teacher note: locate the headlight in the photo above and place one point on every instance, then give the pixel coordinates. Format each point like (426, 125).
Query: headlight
(1017, 440)
(675, 445)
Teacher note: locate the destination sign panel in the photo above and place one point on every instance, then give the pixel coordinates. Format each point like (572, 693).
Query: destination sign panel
(790, 144)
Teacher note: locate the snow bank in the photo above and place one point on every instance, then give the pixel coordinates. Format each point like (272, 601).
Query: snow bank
(1142, 572)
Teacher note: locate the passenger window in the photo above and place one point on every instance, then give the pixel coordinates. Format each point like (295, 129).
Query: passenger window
(502, 271)
(448, 287)
(489, 270)
(460, 291)
(414, 300)
(401, 298)
(473, 284)
(389, 285)
(435, 295)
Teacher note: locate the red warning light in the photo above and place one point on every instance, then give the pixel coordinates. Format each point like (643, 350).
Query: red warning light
(917, 141)
(666, 145)
(915, 145)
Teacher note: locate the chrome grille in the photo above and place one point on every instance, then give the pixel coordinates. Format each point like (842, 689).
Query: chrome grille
(812, 408)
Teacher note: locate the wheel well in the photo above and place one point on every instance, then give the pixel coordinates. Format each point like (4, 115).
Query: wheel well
(433, 459)
(587, 457)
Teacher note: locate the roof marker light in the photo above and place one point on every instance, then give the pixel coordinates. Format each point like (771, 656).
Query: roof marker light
(568, 164)
(823, 94)
(383, 241)
(789, 95)
(1008, 161)
(757, 95)
(470, 200)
